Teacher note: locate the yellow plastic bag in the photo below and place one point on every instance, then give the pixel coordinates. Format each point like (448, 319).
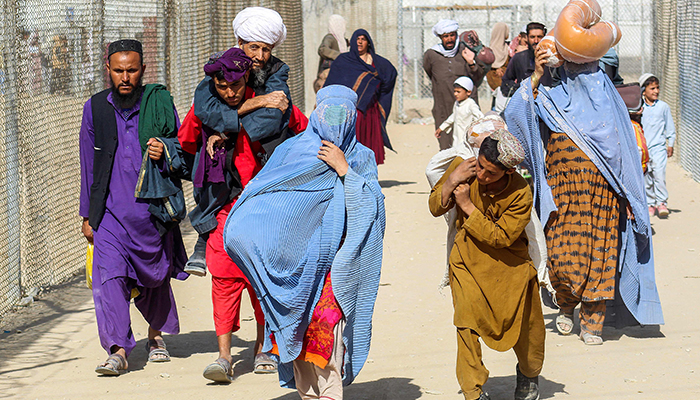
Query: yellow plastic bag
(88, 265)
(88, 270)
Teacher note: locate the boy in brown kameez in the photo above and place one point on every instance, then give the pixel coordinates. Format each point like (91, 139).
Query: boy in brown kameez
(493, 280)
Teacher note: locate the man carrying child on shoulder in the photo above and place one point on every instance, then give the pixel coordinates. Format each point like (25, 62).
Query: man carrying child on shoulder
(224, 163)
(492, 278)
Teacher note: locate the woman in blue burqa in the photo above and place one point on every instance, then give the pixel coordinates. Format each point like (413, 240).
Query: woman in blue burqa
(372, 77)
(307, 231)
(588, 184)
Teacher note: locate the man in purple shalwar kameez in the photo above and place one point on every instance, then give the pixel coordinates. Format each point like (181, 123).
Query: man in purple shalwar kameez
(130, 251)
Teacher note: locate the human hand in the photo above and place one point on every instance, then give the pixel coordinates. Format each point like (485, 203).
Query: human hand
(214, 141)
(669, 151)
(630, 214)
(500, 72)
(540, 61)
(438, 131)
(468, 55)
(276, 99)
(155, 149)
(461, 194)
(87, 230)
(334, 157)
(464, 172)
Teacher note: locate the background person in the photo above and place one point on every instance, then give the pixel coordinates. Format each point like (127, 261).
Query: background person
(499, 46)
(332, 45)
(464, 112)
(522, 65)
(660, 135)
(372, 77)
(444, 63)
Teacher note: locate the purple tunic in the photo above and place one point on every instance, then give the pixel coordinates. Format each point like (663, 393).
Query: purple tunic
(129, 251)
(127, 243)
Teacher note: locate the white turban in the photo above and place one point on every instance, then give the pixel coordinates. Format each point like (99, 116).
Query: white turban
(260, 24)
(465, 82)
(445, 26)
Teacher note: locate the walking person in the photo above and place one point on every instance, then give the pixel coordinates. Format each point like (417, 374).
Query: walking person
(372, 77)
(333, 44)
(444, 63)
(224, 163)
(660, 135)
(464, 113)
(588, 185)
(494, 284)
(128, 136)
(265, 117)
(317, 283)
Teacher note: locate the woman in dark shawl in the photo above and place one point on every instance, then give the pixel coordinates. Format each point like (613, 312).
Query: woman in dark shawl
(372, 77)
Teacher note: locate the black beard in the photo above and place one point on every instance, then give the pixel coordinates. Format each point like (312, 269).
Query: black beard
(127, 101)
(258, 76)
(531, 51)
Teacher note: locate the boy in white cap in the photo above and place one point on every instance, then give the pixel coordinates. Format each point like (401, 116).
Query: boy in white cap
(465, 111)
(660, 134)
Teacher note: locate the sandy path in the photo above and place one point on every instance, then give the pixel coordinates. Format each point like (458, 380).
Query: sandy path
(414, 347)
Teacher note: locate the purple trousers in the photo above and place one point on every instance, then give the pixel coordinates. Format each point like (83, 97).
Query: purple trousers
(112, 298)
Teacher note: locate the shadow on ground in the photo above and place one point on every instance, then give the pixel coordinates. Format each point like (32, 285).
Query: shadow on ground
(25, 325)
(503, 387)
(382, 389)
(610, 333)
(391, 183)
(187, 344)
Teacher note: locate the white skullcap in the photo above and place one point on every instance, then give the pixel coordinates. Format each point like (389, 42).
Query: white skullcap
(260, 24)
(465, 82)
(445, 26)
(644, 78)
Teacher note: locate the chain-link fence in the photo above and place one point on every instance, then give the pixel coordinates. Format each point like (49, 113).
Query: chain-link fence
(51, 61)
(688, 85)
(418, 17)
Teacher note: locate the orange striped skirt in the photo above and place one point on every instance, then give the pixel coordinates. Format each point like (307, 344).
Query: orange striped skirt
(583, 236)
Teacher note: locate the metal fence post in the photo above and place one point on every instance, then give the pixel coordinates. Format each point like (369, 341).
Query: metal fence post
(13, 181)
(99, 69)
(400, 65)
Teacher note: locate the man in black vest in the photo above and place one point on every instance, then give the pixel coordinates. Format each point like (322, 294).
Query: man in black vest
(134, 255)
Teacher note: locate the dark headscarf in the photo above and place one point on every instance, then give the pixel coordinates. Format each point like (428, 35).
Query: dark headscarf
(234, 63)
(372, 83)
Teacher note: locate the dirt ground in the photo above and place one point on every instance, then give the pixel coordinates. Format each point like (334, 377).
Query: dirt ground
(49, 350)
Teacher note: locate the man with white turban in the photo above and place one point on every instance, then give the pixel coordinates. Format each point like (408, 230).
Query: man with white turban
(260, 24)
(444, 63)
(264, 117)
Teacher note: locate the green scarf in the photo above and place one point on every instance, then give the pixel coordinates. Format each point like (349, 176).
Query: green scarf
(157, 116)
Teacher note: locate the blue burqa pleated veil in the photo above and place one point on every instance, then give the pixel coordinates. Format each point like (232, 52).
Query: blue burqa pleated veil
(587, 107)
(296, 220)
